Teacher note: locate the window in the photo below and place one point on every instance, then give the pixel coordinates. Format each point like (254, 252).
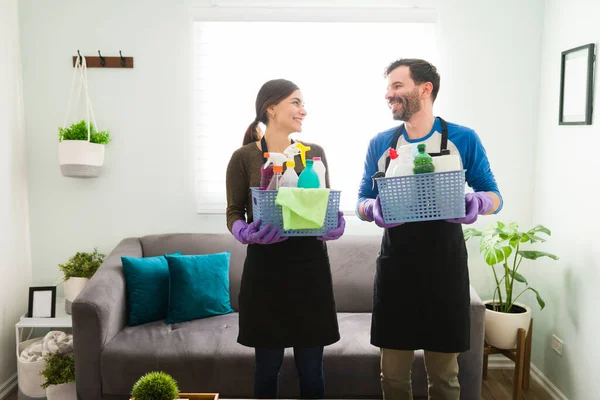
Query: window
(339, 69)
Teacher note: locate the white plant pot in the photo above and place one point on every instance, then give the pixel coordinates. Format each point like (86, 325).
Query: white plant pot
(64, 391)
(80, 158)
(501, 328)
(73, 286)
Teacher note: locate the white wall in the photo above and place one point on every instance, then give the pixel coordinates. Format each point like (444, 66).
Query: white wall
(565, 201)
(147, 183)
(15, 262)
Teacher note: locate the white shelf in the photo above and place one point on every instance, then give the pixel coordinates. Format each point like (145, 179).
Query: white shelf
(61, 319)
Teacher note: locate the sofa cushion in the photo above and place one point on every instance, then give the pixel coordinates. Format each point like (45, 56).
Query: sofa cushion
(147, 281)
(198, 286)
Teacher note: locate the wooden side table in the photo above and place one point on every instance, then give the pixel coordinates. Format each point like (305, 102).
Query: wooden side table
(521, 357)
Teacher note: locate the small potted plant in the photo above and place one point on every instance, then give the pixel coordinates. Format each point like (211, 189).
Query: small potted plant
(501, 246)
(161, 386)
(59, 374)
(81, 149)
(77, 272)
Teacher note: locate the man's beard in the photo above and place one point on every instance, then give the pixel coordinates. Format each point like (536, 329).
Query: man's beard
(410, 106)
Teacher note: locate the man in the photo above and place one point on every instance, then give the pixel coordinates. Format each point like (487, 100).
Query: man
(421, 295)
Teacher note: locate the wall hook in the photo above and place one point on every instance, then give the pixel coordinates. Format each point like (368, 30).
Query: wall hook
(80, 60)
(102, 60)
(122, 59)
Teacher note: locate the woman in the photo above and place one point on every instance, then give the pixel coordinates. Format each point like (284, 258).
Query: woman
(286, 295)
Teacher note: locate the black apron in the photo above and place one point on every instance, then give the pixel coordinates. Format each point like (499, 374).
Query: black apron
(286, 294)
(421, 296)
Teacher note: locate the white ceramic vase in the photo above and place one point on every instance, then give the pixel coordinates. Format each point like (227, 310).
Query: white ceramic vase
(501, 328)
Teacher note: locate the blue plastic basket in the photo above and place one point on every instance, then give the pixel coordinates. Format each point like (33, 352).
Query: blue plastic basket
(265, 209)
(422, 197)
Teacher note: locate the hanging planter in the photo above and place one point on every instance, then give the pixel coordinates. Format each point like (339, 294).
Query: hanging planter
(81, 145)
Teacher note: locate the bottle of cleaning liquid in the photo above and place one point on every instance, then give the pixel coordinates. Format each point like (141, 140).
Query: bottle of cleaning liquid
(320, 170)
(290, 177)
(394, 161)
(399, 166)
(423, 161)
(308, 178)
(277, 178)
(266, 174)
(449, 162)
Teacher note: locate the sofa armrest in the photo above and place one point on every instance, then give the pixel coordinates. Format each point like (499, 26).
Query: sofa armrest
(99, 313)
(471, 361)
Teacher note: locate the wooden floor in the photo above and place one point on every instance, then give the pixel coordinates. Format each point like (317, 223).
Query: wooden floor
(498, 386)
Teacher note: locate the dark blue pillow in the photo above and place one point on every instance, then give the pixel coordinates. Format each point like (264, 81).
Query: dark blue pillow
(198, 286)
(147, 281)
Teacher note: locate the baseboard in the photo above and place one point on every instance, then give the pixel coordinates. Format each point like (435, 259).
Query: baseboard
(498, 361)
(8, 387)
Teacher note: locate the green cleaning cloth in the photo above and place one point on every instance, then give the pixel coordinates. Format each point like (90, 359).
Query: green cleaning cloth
(302, 208)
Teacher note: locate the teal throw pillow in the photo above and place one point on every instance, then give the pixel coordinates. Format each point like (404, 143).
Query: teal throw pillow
(147, 282)
(198, 286)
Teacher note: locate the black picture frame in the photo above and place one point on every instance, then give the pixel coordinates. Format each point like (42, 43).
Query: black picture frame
(36, 307)
(577, 85)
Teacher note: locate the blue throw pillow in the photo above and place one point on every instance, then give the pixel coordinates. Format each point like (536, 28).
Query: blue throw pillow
(147, 281)
(198, 286)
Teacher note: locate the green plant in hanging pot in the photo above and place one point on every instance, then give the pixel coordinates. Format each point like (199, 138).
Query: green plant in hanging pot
(59, 376)
(77, 271)
(81, 145)
(502, 247)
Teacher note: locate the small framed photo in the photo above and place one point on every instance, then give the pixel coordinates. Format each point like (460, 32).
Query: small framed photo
(576, 85)
(42, 302)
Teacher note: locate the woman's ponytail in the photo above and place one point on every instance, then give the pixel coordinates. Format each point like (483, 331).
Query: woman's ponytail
(253, 133)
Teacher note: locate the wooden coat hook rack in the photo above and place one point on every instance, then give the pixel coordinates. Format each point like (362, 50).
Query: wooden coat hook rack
(105, 62)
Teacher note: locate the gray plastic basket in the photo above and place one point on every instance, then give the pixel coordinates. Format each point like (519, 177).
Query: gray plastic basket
(265, 209)
(422, 197)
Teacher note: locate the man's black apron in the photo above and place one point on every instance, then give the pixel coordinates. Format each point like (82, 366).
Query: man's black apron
(286, 295)
(421, 295)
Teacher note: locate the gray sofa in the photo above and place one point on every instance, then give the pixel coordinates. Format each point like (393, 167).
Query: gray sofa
(203, 355)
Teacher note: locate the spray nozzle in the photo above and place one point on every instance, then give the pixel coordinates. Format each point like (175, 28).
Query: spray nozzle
(303, 149)
(276, 158)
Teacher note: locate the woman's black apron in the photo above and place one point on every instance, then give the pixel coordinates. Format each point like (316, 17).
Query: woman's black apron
(286, 295)
(421, 296)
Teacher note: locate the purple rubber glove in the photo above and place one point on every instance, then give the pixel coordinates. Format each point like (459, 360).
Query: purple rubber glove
(475, 204)
(250, 234)
(336, 233)
(372, 210)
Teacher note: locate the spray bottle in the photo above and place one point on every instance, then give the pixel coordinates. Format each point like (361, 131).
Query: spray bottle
(277, 159)
(290, 177)
(303, 149)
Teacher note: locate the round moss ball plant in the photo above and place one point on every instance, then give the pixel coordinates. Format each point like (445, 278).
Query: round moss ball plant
(155, 386)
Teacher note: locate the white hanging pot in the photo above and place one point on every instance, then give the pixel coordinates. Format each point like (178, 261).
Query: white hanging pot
(80, 158)
(64, 391)
(501, 328)
(73, 286)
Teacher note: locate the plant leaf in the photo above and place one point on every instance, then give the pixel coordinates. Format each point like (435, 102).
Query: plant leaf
(518, 277)
(539, 299)
(470, 233)
(540, 228)
(534, 255)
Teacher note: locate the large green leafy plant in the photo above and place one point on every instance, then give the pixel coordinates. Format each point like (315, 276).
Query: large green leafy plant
(59, 368)
(82, 265)
(502, 249)
(155, 386)
(79, 131)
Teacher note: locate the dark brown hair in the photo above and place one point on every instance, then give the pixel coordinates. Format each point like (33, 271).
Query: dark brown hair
(271, 93)
(420, 71)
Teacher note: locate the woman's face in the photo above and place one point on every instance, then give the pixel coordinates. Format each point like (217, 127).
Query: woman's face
(289, 113)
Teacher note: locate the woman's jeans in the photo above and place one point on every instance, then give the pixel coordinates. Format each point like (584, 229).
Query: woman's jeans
(309, 364)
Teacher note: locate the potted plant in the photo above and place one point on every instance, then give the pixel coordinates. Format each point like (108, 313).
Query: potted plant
(81, 149)
(77, 272)
(162, 386)
(59, 374)
(501, 246)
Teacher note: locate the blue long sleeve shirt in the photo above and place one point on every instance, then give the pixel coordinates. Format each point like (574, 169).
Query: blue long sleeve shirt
(461, 140)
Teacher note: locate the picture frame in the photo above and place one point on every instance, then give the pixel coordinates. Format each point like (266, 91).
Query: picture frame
(42, 302)
(577, 85)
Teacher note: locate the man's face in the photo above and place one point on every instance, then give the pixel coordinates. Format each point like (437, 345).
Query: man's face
(402, 95)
